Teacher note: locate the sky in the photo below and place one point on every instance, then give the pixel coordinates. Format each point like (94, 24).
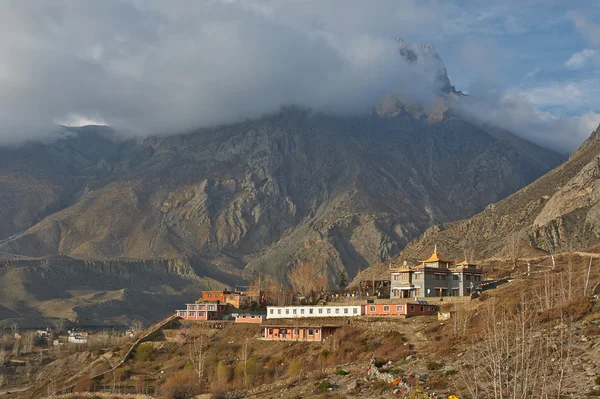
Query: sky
(157, 67)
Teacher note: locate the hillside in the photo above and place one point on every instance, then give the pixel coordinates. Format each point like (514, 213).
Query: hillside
(233, 201)
(455, 356)
(558, 212)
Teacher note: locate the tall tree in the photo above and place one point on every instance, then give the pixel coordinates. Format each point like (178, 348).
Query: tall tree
(343, 280)
(305, 280)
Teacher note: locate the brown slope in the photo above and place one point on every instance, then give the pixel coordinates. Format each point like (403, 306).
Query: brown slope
(557, 212)
(263, 194)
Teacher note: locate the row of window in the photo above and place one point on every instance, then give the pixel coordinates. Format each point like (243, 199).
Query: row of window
(211, 308)
(439, 276)
(191, 314)
(315, 311)
(386, 308)
(283, 331)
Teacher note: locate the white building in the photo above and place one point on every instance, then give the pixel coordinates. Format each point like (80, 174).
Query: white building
(291, 312)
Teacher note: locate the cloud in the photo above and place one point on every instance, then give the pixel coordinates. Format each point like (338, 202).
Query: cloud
(153, 68)
(589, 30)
(517, 111)
(584, 58)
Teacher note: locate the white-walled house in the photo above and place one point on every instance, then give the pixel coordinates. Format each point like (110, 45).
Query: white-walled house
(289, 312)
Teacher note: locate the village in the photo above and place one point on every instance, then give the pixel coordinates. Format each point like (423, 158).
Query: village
(410, 291)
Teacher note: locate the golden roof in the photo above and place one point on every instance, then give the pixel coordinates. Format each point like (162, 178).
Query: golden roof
(435, 258)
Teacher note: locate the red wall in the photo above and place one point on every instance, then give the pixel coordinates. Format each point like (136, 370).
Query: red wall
(249, 319)
(397, 309)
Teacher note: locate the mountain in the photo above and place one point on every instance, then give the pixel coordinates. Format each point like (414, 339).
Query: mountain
(558, 212)
(232, 201)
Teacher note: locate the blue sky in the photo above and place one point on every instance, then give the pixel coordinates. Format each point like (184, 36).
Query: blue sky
(157, 67)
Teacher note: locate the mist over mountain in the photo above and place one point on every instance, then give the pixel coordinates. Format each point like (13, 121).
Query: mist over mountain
(148, 68)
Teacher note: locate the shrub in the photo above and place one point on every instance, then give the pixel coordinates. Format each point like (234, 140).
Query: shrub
(143, 353)
(324, 385)
(450, 372)
(341, 372)
(85, 384)
(182, 385)
(324, 353)
(597, 380)
(434, 366)
(294, 368)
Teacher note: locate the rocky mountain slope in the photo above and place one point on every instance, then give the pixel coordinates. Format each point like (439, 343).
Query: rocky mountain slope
(256, 196)
(558, 212)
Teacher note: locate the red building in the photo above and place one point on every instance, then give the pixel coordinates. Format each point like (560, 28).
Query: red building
(398, 309)
(249, 318)
(202, 311)
(305, 332)
(238, 300)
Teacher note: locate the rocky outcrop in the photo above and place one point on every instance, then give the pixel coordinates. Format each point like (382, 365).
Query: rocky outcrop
(263, 195)
(558, 212)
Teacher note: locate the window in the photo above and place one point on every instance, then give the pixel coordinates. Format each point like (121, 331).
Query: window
(467, 277)
(310, 332)
(210, 295)
(217, 295)
(278, 311)
(354, 310)
(399, 308)
(201, 314)
(422, 309)
(428, 308)
(211, 307)
(455, 277)
(372, 308)
(345, 310)
(320, 311)
(310, 310)
(301, 311)
(395, 277)
(443, 276)
(287, 311)
(386, 308)
(417, 276)
(270, 331)
(294, 311)
(328, 311)
(437, 276)
(192, 314)
(271, 311)
(337, 310)
(412, 308)
(244, 316)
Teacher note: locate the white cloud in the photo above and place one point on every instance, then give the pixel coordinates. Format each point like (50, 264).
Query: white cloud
(584, 58)
(589, 30)
(157, 67)
(152, 67)
(516, 110)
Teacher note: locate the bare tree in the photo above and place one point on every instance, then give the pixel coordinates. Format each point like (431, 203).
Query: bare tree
(514, 248)
(28, 341)
(197, 357)
(3, 356)
(305, 280)
(137, 326)
(273, 292)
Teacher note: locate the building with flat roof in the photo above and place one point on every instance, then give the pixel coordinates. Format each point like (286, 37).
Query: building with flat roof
(293, 312)
(435, 277)
(202, 311)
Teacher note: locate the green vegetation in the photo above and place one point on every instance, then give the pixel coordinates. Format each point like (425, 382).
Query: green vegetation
(144, 353)
(431, 366)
